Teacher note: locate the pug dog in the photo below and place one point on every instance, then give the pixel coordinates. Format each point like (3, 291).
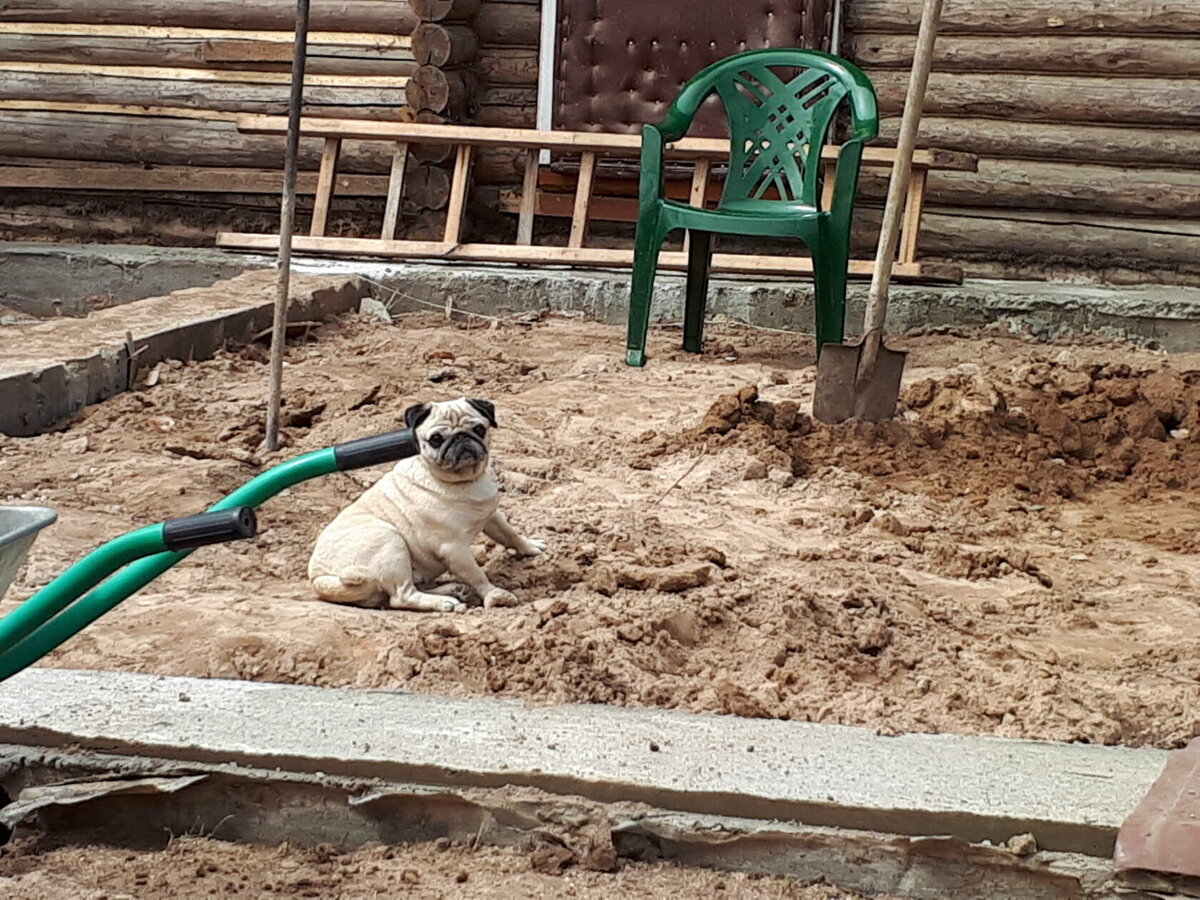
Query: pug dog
(418, 522)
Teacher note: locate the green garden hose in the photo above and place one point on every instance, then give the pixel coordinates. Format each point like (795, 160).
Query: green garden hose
(54, 614)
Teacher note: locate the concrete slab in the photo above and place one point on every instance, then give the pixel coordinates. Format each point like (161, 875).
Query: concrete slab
(1070, 797)
(44, 280)
(52, 369)
(1166, 315)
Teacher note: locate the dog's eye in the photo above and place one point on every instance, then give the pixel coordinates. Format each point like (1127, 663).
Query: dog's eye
(480, 430)
(436, 440)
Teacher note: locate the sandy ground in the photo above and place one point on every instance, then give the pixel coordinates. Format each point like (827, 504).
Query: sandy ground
(194, 867)
(1017, 554)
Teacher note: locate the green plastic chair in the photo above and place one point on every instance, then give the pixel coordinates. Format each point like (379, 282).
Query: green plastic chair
(777, 131)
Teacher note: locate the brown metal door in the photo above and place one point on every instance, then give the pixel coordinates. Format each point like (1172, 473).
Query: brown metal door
(621, 63)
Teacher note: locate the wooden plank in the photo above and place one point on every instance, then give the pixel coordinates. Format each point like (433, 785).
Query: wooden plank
(910, 227)
(388, 56)
(577, 256)
(1176, 57)
(73, 175)
(583, 200)
(377, 103)
(1173, 102)
(395, 192)
(827, 184)
(528, 198)
(530, 138)
(1059, 141)
(325, 183)
(176, 73)
(1071, 187)
(372, 40)
(1028, 17)
(386, 16)
(698, 194)
(457, 207)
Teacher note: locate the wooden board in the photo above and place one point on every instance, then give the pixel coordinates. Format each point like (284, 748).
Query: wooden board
(1058, 142)
(995, 17)
(529, 138)
(572, 256)
(71, 175)
(131, 45)
(1176, 57)
(385, 16)
(1173, 102)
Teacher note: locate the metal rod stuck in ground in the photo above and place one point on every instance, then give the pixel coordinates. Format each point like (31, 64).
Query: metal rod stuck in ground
(287, 221)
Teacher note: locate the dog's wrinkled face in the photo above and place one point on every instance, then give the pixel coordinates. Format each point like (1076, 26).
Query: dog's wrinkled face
(453, 436)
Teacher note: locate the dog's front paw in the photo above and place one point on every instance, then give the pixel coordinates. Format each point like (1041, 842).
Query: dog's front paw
(532, 547)
(499, 597)
(449, 604)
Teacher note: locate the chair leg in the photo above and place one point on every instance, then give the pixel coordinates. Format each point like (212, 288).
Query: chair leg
(647, 245)
(829, 275)
(699, 262)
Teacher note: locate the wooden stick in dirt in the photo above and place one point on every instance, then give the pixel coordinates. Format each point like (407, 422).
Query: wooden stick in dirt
(893, 210)
(286, 226)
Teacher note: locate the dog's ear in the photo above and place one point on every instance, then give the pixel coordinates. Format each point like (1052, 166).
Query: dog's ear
(415, 415)
(487, 409)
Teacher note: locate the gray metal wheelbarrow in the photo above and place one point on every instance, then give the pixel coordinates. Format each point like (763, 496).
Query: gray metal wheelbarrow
(19, 526)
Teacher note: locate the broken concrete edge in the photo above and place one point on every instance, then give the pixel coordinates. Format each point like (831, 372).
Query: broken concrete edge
(1165, 316)
(45, 394)
(50, 279)
(80, 795)
(1072, 798)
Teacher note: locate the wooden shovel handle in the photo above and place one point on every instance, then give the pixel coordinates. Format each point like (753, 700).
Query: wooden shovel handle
(893, 211)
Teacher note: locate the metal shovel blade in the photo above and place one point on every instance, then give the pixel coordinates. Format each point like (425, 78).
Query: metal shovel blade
(840, 395)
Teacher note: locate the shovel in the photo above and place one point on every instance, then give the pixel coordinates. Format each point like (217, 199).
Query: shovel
(862, 381)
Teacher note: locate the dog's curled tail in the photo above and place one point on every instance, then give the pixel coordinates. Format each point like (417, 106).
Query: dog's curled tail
(353, 585)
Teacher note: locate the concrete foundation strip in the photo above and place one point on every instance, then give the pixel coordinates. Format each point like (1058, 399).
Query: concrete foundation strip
(1072, 798)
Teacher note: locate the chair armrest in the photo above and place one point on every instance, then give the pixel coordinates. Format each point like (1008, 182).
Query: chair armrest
(845, 182)
(653, 152)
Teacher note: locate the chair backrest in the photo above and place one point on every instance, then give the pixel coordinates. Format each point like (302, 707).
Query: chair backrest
(778, 127)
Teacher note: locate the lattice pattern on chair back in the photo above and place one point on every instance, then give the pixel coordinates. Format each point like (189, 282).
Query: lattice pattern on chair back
(777, 129)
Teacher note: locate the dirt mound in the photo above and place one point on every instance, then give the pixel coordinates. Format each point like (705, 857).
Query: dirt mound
(1044, 429)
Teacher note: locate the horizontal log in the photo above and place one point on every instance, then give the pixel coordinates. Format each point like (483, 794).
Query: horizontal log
(508, 66)
(1070, 187)
(439, 45)
(583, 256)
(508, 95)
(187, 179)
(505, 116)
(508, 25)
(1077, 241)
(986, 17)
(183, 141)
(383, 16)
(1050, 98)
(1107, 55)
(601, 143)
(445, 10)
(88, 87)
(209, 48)
(1046, 140)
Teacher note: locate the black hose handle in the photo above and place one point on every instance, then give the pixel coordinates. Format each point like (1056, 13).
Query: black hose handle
(381, 448)
(191, 532)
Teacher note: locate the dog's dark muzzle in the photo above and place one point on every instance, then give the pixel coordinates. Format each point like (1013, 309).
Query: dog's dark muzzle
(463, 450)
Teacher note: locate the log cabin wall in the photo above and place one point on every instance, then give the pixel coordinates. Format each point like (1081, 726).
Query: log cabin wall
(138, 85)
(1086, 118)
(1085, 113)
